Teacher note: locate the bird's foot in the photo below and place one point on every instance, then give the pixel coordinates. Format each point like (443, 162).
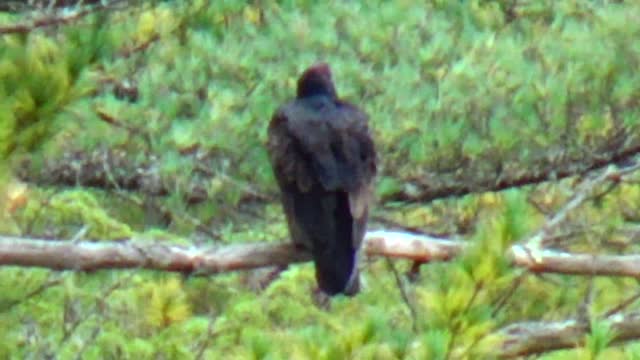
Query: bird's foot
(321, 299)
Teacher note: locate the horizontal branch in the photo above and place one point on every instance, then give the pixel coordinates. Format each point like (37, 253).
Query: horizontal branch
(518, 339)
(517, 174)
(36, 5)
(544, 260)
(401, 245)
(112, 169)
(530, 338)
(58, 18)
(89, 256)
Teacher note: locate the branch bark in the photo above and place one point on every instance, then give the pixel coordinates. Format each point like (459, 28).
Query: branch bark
(468, 181)
(93, 169)
(560, 262)
(518, 339)
(58, 19)
(90, 256)
(529, 338)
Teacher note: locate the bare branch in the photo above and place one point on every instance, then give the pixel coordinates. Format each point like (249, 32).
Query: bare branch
(57, 19)
(404, 294)
(50, 282)
(34, 5)
(437, 186)
(623, 305)
(85, 169)
(579, 196)
(533, 247)
(89, 256)
(530, 338)
(576, 264)
(422, 248)
(90, 169)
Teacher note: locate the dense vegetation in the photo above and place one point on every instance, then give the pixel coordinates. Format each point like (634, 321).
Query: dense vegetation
(183, 91)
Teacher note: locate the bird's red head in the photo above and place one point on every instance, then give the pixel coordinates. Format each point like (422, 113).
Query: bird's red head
(316, 80)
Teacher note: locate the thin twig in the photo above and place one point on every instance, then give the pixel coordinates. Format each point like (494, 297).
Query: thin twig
(623, 305)
(207, 339)
(508, 294)
(534, 244)
(404, 294)
(53, 280)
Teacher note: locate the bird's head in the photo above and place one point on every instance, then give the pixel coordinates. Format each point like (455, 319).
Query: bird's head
(316, 80)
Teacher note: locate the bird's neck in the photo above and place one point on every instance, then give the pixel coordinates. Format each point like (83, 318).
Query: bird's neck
(312, 88)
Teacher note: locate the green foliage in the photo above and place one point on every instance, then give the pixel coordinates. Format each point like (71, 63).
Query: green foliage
(39, 77)
(447, 84)
(73, 210)
(600, 337)
(167, 303)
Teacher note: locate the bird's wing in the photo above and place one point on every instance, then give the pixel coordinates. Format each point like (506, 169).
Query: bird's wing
(331, 147)
(288, 160)
(324, 161)
(336, 141)
(326, 145)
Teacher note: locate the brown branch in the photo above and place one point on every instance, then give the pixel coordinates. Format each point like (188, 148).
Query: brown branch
(52, 281)
(518, 339)
(534, 246)
(623, 305)
(438, 186)
(58, 19)
(87, 169)
(404, 294)
(576, 264)
(92, 169)
(128, 51)
(35, 5)
(580, 195)
(89, 256)
(529, 338)
(422, 248)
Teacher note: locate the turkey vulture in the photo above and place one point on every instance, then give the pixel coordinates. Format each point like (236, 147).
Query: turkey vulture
(324, 161)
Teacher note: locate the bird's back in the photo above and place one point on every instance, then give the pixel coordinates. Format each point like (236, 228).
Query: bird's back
(331, 138)
(324, 160)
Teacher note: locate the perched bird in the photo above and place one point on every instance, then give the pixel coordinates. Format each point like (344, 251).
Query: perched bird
(324, 161)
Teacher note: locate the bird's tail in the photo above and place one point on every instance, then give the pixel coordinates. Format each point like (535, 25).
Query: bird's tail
(337, 271)
(334, 237)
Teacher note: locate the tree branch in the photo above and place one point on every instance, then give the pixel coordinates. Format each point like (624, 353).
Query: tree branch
(35, 5)
(89, 256)
(576, 264)
(437, 186)
(534, 246)
(88, 169)
(58, 19)
(529, 338)
(519, 339)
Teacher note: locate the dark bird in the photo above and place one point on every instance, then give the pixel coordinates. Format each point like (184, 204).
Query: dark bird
(324, 160)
